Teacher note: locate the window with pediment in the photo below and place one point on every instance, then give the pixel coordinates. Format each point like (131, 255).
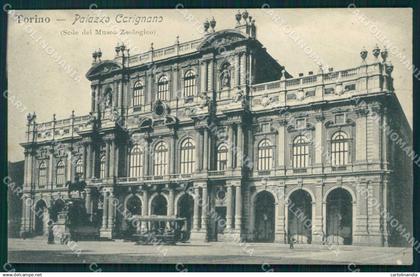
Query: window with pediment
(42, 174)
(163, 88)
(189, 84)
(138, 94)
(265, 155)
(187, 156)
(136, 162)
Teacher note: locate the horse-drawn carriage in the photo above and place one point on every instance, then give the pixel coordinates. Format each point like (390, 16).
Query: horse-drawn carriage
(159, 229)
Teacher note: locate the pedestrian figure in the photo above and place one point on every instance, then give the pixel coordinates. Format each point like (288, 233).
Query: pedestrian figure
(50, 233)
(291, 242)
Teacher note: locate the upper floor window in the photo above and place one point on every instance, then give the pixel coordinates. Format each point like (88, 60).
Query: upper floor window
(187, 156)
(160, 161)
(300, 123)
(340, 118)
(138, 94)
(300, 157)
(339, 149)
(163, 88)
(265, 155)
(42, 176)
(189, 84)
(222, 152)
(79, 168)
(60, 173)
(265, 127)
(136, 162)
(102, 167)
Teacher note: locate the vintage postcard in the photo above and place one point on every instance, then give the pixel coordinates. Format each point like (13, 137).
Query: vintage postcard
(211, 136)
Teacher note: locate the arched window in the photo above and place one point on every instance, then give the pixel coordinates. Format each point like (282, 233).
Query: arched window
(42, 176)
(265, 155)
(160, 161)
(189, 84)
(136, 162)
(222, 152)
(79, 168)
(339, 149)
(138, 94)
(187, 156)
(163, 88)
(102, 167)
(60, 173)
(300, 152)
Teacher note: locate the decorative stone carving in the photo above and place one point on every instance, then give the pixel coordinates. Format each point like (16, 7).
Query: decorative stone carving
(300, 95)
(239, 95)
(266, 100)
(225, 76)
(204, 100)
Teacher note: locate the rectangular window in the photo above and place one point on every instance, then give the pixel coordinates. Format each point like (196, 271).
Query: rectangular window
(350, 87)
(265, 127)
(300, 123)
(329, 91)
(340, 118)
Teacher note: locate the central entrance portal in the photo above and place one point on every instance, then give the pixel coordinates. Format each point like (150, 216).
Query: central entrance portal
(218, 224)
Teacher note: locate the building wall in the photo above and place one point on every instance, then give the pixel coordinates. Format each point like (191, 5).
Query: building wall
(242, 97)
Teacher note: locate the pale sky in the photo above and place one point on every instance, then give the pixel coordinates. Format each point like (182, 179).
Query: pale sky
(42, 85)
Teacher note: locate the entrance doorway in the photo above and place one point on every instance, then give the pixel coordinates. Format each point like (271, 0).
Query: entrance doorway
(41, 218)
(264, 217)
(186, 209)
(339, 217)
(300, 217)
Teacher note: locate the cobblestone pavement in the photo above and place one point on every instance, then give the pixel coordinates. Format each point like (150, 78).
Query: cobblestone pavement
(38, 251)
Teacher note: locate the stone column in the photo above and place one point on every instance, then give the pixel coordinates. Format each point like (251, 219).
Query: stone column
(145, 204)
(171, 202)
(230, 148)
(146, 158)
(203, 76)
(89, 169)
(229, 207)
(173, 155)
(204, 209)
(210, 76)
(105, 211)
(197, 152)
(205, 149)
(361, 127)
(319, 139)
(107, 157)
(280, 233)
(88, 201)
(281, 142)
(112, 152)
(317, 216)
(26, 214)
(243, 69)
(51, 169)
(237, 70)
(240, 147)
(111, 211)
(93, 98)
(196, 216)
(238, 209)
(28, 168)
(69, 166)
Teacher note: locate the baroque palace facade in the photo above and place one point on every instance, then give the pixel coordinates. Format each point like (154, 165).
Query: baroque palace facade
(217, 131)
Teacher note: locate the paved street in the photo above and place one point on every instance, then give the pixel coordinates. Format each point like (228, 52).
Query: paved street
(38, 251)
